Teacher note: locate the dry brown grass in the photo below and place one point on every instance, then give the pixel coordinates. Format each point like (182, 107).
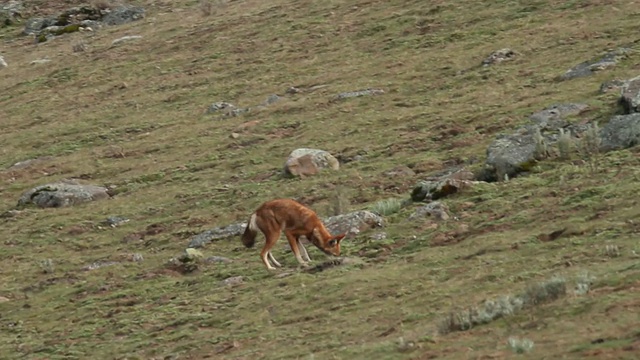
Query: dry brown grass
(134, 116)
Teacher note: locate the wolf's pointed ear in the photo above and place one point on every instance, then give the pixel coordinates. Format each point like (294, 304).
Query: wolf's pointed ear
(316, 233)
(339, 238)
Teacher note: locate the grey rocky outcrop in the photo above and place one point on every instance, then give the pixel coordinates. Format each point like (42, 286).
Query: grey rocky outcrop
(11, 13)
(80, 17)
(512, 154)
(621, 132)
(589, 67)
(62, 194)
(630, 95)
(217, 233)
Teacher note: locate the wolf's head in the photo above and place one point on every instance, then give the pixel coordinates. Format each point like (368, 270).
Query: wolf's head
(329, 244)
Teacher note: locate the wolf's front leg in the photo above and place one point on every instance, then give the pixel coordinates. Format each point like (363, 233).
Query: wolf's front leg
(303, 251)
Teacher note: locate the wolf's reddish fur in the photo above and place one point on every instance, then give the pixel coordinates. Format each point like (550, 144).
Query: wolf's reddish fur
(295, 220)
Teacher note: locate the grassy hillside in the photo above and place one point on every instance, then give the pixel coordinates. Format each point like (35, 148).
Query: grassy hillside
(133, 116)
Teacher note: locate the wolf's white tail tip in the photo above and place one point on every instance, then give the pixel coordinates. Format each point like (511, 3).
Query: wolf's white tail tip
(252, 222)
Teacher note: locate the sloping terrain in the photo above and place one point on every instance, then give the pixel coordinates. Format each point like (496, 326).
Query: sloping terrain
(132, 117)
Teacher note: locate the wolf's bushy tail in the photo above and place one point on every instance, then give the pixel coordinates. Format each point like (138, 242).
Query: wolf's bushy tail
(250, 232)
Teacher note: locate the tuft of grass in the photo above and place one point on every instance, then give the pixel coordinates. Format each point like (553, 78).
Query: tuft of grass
(339, 202)
(46, 266)
(541, 151)
(565, 145)
(544, 292)
(132, 119)
(485, 313)
(387, 207)
(589, 147)
(612, 250)
(520, 346)
(79, 46)
(583, 283)
(535, 294)
(209, 7)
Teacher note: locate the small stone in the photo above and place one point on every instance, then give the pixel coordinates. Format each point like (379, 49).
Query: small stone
(378, 236)
(272, 99)
(115, 221)
(191, 253)
(10, 214)
(351, 94)
(234, 135)
(499, 56)
(437, 189)
(125, 38)
(400, 171)
(436, 210)
(217, 259)
(220, 106)
(234, 280)
(283, 275)
(293, 90)
(99, 264)
(40, 61)
(137, 257)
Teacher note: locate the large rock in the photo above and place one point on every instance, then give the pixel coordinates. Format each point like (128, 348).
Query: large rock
(611, 85)
(34, 25)
(553, 117)
(511, 154)
(630, 95)
(589, 67)
(11, 12)
(62, 194)
(305, 162)
(621, 132)
(353, 223)
(80, 17)
(68, 21)
(515, 153)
